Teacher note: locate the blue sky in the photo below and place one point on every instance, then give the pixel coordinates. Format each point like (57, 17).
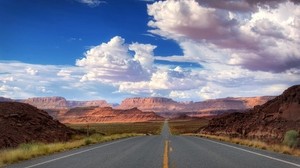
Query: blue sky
(182, 49)
(60, 31)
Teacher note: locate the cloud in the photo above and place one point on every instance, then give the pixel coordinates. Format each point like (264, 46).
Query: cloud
(74, 39)
(112, 62)
(7, 79)
(143, 54)
(243, 6)
(113, 59)
(242, 49)
(92, 3)
(249, 40)
(31, 71)
(269, 3)
(181, 95)
(6, 88)
(163, 81)
(66, 73)
(51, 80)
(180, 19)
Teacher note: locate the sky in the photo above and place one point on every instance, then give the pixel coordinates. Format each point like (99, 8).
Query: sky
(187, 50)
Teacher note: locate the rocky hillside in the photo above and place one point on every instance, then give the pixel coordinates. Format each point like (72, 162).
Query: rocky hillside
(23, 123)
(250, 102)
(267, 122)
(165, 105)
(107, 115)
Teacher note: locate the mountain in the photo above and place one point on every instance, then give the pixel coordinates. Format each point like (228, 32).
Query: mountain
(99, 103)
(4, 99)
(47, 102)
(267, 122)
(107, 115)
(58, 106)
(62, 103)
(23, 123)
(165, 106)
(156, 104)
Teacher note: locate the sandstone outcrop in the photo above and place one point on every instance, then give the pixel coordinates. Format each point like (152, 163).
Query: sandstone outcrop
(156, 104)
(208, 107)
(47, 102)
(99, 103)
(267, 122)
(62, 103)
(58, 106)
(107, 115)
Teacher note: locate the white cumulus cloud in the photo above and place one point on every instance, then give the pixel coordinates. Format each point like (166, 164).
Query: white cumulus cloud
(31, 71)
(112, 62)
(249, 40)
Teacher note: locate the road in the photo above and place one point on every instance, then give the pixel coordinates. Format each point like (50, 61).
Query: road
(165, 151)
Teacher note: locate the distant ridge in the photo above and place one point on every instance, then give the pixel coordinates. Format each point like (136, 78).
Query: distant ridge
(57, 102)
(166, 107)
(4, 99)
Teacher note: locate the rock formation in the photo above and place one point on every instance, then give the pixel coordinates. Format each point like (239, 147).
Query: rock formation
(99, 103)
(267, 122)
(156, 104)
(165, 105)
(48, 102)
(107, 115)
(58, 106)
(62, 103)
(23, 123)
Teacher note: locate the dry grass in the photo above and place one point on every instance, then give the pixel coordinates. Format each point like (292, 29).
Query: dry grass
(178, 127)
(101, 133)
(254, 143)
(120, 128)
(31, 150)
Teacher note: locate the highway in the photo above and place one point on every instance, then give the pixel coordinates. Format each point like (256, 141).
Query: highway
(163, 151)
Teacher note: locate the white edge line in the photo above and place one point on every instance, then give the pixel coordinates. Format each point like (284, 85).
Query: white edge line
(255, 153)
(87, 150)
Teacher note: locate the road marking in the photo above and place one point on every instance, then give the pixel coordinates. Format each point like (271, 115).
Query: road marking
(255, 153)
(166, 155)
(87, 150)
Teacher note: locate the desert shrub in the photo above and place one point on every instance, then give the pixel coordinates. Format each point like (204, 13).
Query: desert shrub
(291, 138)
(87, 141)
(26, 146)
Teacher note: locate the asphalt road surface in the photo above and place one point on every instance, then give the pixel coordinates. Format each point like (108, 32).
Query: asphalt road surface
(153, 151)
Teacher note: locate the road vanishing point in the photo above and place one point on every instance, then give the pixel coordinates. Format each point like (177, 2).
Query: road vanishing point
(163, 151)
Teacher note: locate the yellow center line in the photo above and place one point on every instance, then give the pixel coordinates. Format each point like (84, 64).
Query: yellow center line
(166, 155)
